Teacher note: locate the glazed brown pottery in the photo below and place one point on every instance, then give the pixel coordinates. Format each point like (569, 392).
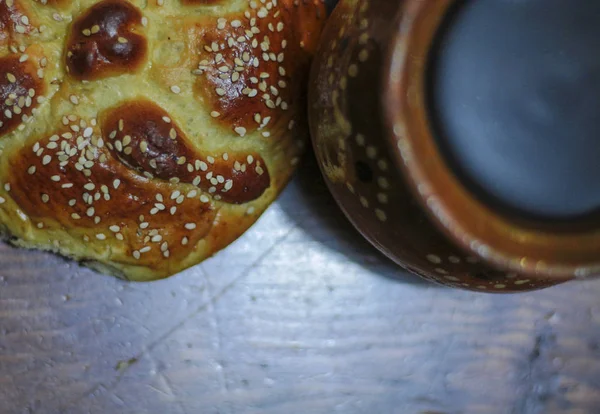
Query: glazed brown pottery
(378, 149)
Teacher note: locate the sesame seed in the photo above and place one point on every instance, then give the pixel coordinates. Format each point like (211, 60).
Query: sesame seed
(190, 226)
(382, 198)
(383, 182)
(363, 55)
(434, 258)
(175, 89)
(454, 259)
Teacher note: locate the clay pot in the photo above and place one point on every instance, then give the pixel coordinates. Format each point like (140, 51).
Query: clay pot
(378, 145)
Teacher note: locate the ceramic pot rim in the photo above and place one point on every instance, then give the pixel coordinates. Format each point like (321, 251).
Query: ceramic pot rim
(502, 241)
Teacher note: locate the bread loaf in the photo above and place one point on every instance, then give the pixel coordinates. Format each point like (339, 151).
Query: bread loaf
(140, 137)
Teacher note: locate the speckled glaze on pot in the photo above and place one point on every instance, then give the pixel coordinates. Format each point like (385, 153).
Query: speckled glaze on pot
(368, 118)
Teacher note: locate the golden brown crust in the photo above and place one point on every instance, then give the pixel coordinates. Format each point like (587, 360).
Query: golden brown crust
(70, 179)
(13, 20)
(244, 67)
(104, 41)
(124, 155)
(147, 139)
(20, 87)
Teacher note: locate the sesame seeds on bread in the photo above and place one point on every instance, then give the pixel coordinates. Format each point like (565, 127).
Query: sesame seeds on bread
(140, 137)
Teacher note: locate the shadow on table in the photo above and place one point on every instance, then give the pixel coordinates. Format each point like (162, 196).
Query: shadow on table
(308, 202)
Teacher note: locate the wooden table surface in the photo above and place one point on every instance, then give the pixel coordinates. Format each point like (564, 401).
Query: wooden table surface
(299, 316)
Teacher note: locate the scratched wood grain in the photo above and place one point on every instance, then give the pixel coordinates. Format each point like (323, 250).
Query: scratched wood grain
(298, 316)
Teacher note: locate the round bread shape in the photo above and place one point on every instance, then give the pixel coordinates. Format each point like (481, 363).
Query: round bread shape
(140, 137)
